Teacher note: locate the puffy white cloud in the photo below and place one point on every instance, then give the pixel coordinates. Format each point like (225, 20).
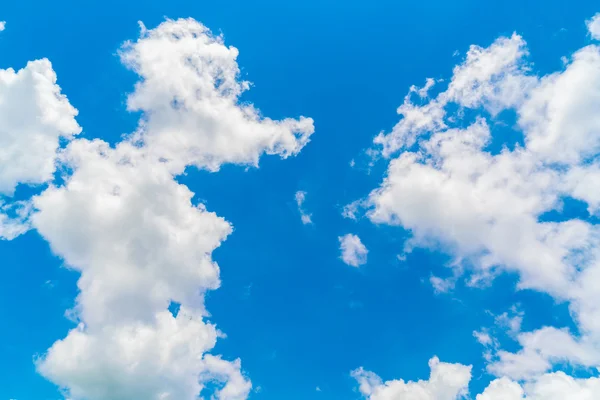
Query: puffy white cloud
(2, 25)
(502, 389)
(483, 207)
(446, 382)
(450, 382)
(492, 77)
(593, 26)
(354, 252)
(133, 360)
(554, 386)
(133, 232)
(190, 95)
(304, 216)
(35, 115)
(543, 347)
(453, 189)
(559, 117)
(581, 181)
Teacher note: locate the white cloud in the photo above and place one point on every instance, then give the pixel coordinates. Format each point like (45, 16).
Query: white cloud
(354, 252)
(35, 115)
(450, 382)
(126, 225)
(2, 25)
(554, 386)
(14, 219)
(593, 26)
(189, 92)
(450, 191)
(162, 359)
(446, 382)
(304, 216)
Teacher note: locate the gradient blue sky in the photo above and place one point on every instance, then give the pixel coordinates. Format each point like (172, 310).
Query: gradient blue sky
(296, 315)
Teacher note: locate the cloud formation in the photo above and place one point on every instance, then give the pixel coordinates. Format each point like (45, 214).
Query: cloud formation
(119, 217)
(189, 92)
(450, 382)
(446, 382)
(451, 185)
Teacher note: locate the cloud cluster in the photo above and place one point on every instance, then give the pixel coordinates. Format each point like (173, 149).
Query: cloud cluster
(450, 382)
(119, 217)
(452, 186)
(446, 382)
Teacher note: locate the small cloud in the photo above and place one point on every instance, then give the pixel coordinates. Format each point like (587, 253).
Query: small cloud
(2, 25)
(483, 337)
(442, 285)
(354, 252)
(304, 216)
(511, 321)
(351, 210)
(422, 92)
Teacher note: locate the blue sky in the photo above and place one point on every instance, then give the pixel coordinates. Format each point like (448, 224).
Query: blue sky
(298, 317)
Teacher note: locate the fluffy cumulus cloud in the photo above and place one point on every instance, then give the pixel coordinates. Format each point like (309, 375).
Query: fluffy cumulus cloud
(119, 217)
(189, 92)
(453, 186)
(354, 252)
(35, 117)
(446, 382)
(450, 382)
(2, 25)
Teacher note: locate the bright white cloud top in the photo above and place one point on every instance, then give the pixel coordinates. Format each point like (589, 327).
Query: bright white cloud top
(354, 252)
(448, 188)
(2, 25)
(446, 382)
(35, 116)
(189, 91)
(450, 382)
(121, 219)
